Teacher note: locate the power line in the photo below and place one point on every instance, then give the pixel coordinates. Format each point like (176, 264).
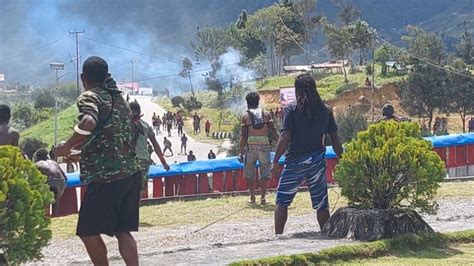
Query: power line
(132, 51)
(31, 50)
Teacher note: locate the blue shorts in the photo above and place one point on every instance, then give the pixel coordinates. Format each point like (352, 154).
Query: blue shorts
(311, 168)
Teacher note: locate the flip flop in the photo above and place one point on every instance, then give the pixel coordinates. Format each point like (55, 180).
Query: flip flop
(263, 202)
(251, 202)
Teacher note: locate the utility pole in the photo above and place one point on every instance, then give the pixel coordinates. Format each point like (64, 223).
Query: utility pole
(134, 61)
(56, 67)
(76, 35)
(373, 84)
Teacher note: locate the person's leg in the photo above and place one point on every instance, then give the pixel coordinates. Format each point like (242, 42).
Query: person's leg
(96, 249)
(322, 216)
(281, 215)
(318, 190)
(250, 172)
(265, 171)
(288, 185)
(128, 248)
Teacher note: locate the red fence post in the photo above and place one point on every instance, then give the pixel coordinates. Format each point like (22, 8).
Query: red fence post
(68, 202)
(330, 166)
(461, 160)
(170, 183)
(470, 159)
(451, 161)
(217, 181)
(229, 181)
(203, 183)
(145, 189)
(241, 183)
(187, 185)
(157, 187)
(442, 154)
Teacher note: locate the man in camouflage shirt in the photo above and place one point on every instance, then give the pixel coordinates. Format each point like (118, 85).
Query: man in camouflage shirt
(104, 143)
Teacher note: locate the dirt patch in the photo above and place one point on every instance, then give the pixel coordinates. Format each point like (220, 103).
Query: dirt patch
(361, 99)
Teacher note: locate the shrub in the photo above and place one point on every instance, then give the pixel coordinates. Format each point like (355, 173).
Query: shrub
(192, 104)
(177, 101)
(389, 166)
(30, 145)
(349, 124)
(23, 197)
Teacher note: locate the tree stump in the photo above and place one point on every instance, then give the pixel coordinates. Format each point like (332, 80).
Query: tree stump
(373, 224)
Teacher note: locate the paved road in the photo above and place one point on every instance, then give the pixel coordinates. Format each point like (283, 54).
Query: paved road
(199, 149)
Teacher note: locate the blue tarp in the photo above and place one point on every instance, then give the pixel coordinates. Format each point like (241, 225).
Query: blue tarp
(232, 163)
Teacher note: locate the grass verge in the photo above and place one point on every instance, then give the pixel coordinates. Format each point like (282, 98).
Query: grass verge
(410, 245)
(45, 130)
(191, 212)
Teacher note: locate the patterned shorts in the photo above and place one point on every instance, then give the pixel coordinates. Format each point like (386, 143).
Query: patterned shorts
(260, 153)
(311, 168)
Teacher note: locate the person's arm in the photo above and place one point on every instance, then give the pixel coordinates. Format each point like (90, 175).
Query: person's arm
(158, 151)
(88, 117)
(282, 145)
(336, 144)
(81, 133)
(244, 131)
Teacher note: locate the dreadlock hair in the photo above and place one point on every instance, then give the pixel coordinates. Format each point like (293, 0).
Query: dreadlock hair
(252, 99)
(307, 96)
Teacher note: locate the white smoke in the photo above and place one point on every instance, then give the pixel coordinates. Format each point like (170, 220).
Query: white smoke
(237, 79)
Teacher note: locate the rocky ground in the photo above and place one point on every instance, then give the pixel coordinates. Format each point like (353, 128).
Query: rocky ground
(226, 242)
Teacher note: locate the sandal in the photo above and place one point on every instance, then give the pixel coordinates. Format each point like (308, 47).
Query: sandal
(263, 202)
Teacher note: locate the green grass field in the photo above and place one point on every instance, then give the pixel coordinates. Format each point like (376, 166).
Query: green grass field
(45, 130)
(190, 212)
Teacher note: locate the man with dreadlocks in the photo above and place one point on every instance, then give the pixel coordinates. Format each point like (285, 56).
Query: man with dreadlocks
(256, 133)
(142, 132)
(305, 124)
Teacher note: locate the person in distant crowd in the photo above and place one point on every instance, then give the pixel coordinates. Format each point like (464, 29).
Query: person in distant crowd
(471, 124)
(207, 127)
(388, 113)
(175, 119)
(196, 123)
(444, 126)
(163, 120)
(169, 124)
(191, 157)
(255, 145)
(436, 125)
(280, 115)
(128, 98)
(8, 135)
(56, 177)
(102, 141)
(306, 123)
(156, 121)
(272, 113)
(142, 132)
(180, 127)
(211, 155)
(167, 146)
(367, 82)
(184, 143)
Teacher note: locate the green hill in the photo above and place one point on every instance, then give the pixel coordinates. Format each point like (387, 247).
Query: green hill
(45, 130)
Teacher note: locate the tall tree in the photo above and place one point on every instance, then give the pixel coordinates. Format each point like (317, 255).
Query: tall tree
(382, 55)
(424, 45)
(461, 91)
(347, 12)
(339, 43)
(363, 37)
(187, 67)
(465, 47)
(210, 43)
(425, 92)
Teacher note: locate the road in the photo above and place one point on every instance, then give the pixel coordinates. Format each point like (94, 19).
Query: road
(199, 149)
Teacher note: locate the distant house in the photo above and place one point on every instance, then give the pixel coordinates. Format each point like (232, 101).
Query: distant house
(396, 67)
(326, 67)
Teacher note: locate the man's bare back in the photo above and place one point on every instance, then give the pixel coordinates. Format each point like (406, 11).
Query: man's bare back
(51, 169)
(8, 136)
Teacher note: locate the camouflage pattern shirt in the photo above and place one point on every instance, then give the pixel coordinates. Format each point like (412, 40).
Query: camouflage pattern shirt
(108, 154)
